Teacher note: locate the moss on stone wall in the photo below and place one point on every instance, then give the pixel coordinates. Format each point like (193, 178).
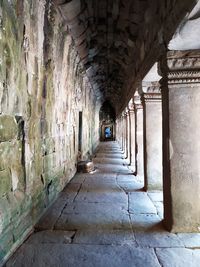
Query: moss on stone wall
(42, 89)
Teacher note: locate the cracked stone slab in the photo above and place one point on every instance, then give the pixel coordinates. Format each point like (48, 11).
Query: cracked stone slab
(100, 208)
(139, 203)
(73, 255)
(130, 186)
(101, 197)
(158, 240)
(56, 236)
(78, 178)
(93, 221)
(105, 237)
(190, 240)
(178, 257)
(146, 222)
(48, 220)
(101, 187)
(50, 217)
(70, 190)
(160, 209)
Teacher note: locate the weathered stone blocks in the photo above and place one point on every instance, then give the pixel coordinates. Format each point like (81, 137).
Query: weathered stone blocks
(5, 182)
(39, 107)
(181, 148)
(11, 159)
(8, 128)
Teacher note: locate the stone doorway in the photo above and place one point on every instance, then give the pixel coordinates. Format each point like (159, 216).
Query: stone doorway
(107, 132)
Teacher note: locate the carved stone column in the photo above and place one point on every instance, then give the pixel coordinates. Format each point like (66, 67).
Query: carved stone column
(181, 140)
(132, 145)
(152, 136)
(139, 138)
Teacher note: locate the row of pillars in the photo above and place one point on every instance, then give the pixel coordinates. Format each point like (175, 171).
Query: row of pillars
(139, 132)
(159, 133)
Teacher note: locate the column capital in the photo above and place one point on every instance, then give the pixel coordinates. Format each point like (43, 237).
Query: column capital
(183, 67)
(138, 102)
(123, 114)
(127, 112)
(131, 107)
(151, 92)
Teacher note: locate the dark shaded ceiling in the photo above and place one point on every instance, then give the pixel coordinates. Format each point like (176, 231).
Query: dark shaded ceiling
(119, 40)
(107, 112)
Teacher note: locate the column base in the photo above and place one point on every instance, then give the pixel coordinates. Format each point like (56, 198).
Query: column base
(153, 187)
(180, 229)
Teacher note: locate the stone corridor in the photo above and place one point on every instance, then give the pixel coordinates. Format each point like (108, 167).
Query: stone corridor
(104, 219)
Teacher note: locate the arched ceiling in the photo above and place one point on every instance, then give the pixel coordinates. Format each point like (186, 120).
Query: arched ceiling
(113, 37)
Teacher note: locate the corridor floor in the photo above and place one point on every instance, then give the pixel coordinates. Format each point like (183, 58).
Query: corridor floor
(104, 219)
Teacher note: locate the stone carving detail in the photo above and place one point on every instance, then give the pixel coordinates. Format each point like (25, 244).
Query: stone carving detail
(183, 67)
(153, 88)
(152, 93)
(176, 77)
(183, 63)
(152, 97)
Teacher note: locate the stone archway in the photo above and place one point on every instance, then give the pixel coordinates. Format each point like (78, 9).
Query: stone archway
(107, 122)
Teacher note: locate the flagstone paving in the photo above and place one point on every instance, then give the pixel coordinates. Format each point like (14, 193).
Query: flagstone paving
(105, 219)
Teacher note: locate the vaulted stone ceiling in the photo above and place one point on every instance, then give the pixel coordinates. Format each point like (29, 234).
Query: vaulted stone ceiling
(118, 41)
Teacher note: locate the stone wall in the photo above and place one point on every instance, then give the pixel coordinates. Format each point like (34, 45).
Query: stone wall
(43, 87)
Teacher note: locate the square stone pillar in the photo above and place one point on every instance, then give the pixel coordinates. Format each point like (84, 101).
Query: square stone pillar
(139, 138)
(124, 130)
(127, 155)
(152, 136)
(117, 131)
(120, 133)
(132, 135)
(181, 140)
